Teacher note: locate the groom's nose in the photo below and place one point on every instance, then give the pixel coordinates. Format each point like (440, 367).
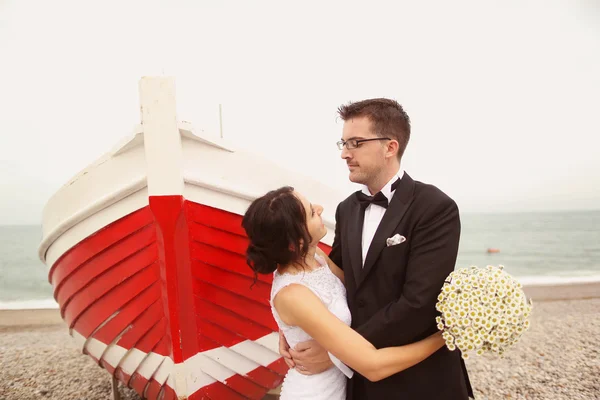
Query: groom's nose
(345, 154)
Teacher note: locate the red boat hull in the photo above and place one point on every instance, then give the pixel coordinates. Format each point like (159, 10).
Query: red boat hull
(163, 299)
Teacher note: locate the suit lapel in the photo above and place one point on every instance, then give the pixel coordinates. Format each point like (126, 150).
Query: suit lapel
(355, 227)
(398, 205)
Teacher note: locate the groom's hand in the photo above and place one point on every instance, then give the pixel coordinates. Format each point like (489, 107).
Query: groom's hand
(310, 358)
(284, 348)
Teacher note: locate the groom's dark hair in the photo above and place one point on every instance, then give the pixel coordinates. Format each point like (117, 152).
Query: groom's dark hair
(387, 117)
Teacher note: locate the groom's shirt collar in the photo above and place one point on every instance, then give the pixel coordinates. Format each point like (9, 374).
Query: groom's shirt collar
(387, 189)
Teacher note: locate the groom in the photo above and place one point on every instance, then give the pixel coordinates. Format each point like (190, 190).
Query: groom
(397, 241)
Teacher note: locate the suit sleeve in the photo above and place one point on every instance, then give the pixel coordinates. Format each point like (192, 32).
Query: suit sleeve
(434, 247)
(336, 248)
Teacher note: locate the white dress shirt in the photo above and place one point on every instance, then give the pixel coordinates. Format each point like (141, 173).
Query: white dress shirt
(374, 214)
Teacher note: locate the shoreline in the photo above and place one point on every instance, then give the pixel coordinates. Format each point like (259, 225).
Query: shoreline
(565, 291)
(19, 318)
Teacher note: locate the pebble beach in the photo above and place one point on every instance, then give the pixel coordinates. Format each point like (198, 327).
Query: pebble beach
(558, 358)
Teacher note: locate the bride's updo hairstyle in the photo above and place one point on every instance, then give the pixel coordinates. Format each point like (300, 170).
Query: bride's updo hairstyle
(276, 226)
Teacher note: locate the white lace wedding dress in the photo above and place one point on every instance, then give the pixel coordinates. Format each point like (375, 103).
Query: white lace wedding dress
(331, 384)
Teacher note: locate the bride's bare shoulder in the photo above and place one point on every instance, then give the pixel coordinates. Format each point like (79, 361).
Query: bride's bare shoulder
(294, 301)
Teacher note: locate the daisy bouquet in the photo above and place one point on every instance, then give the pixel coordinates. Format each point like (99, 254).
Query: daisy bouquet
(482, 310)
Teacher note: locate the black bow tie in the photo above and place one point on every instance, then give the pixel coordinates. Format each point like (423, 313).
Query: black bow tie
(378, 199)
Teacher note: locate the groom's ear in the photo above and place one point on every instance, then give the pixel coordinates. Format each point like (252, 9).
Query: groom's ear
(392, 148)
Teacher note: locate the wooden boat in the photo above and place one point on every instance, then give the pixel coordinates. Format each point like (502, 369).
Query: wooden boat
(146, 257)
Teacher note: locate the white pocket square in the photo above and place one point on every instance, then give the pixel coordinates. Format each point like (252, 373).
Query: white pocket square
(394, 240)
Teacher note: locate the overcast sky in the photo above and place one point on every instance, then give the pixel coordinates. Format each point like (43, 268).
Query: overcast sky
(503, 95)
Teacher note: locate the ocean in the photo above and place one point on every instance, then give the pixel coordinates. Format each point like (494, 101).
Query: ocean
(550, 247)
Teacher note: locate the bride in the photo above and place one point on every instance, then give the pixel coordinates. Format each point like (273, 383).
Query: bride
(308, 298)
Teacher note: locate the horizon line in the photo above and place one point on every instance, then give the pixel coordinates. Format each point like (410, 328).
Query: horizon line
(555, 211)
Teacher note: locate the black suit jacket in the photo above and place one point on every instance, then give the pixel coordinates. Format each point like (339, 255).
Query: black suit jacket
(392, 298)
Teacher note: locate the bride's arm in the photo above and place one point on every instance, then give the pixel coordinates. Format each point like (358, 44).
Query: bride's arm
(337, 271)
(299, 306)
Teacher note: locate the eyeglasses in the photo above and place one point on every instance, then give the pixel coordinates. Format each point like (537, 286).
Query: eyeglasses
(354, 143)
